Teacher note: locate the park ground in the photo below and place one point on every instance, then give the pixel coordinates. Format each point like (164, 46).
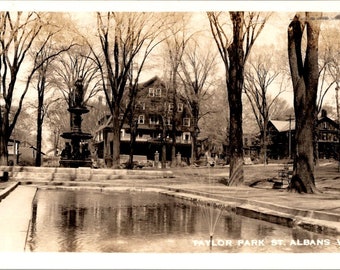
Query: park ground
(256, 198)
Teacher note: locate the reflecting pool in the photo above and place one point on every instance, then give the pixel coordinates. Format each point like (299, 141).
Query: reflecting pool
(142, 221)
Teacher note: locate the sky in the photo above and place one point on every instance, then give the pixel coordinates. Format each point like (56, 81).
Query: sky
(274, 32)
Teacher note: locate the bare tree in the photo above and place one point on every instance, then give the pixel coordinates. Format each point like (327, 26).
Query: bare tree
(176, 42)
(329, 63)
(305, 75)
(44, 54)
(125, 38)
(76, 63)
(197, 66)
(260, 75)
(57, 121)
(214, 109)
(18, 31)
(234, 52)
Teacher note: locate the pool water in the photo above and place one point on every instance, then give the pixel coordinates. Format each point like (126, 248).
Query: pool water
(140, 221)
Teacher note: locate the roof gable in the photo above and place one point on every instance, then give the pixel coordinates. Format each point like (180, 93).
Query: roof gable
(283, 126)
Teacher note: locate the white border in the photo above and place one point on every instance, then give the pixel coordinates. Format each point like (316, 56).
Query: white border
(86, 6)
(162, 261)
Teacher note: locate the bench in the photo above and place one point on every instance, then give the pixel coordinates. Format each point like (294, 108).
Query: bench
(4, 176)
(285, 174)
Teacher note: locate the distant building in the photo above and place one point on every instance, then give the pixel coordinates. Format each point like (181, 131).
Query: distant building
(327, 137)
(13, 151)
(279, 145)
(153, 110)
(28, 154)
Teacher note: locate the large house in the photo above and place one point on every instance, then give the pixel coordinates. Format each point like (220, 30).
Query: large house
(153, 113)
(282, 138)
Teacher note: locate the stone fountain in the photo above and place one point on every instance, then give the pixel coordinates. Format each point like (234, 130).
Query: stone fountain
(77, 153)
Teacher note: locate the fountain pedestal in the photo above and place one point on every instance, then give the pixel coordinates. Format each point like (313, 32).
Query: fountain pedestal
(76, 154)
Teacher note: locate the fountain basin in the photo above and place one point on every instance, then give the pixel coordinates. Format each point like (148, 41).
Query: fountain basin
(73, 220)
(79, 135)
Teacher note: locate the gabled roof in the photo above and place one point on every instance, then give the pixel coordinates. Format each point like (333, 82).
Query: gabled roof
(283, 126)
(329, 120)
(151, 81)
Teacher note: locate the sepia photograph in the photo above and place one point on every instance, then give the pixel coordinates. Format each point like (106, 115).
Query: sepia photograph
(169, 134)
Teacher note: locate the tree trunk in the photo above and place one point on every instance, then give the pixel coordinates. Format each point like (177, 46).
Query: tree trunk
(235, 86)
(265, 141)
(163, 154)
(133, 127)
(195, 112)
(39, 138)
(116, 139)
(4, 136)
(3, 151)
(174, 122)
(39, 124)
(305, 82)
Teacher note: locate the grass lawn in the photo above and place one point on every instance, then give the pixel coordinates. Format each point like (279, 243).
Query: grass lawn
(327, 175)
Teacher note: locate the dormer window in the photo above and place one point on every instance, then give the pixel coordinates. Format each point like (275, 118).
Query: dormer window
(154, 120)
(158, 92)
(168, 121)
(151, 92)
(186, 122)
(180, 107)
(141, 119)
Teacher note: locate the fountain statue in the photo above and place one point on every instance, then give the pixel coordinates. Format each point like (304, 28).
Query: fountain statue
(76, 154)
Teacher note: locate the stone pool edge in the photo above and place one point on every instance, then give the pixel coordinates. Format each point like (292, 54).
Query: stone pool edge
(314, 221)
(281, 215)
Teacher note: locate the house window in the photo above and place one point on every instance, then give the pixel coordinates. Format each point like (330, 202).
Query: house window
(151, 92)
(158, 92)
(141, 119)
(122, 133)
(186, 136)
(171, 107)
(325, 126)
(186, 122)
(180, 107)
(168, 121)
(154, 120)
(324, 136)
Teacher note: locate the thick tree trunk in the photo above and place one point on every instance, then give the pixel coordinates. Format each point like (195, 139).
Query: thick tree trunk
(4, 136)
(305, 82)
(116, 139)
(195, 112)
(3, 151)
(133, 127)
(163, 154)
(39, 139)
(235, 85)
(39, 130)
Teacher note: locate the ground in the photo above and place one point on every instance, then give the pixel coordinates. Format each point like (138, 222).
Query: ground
(325, 173)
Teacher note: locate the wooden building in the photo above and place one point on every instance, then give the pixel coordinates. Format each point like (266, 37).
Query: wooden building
(153, 116)
(280, 145)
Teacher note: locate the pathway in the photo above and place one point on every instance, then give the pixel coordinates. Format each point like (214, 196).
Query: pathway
(15, 215)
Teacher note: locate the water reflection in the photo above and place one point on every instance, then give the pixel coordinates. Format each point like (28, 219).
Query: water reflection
(79, 221)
